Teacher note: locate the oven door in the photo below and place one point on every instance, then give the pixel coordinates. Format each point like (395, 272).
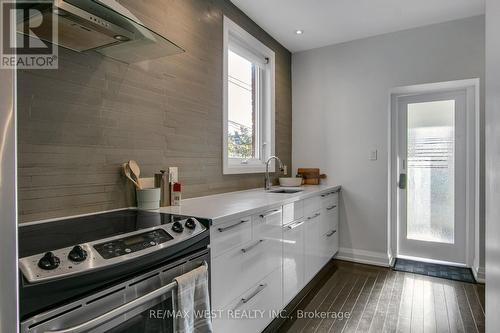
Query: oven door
(155, 319)
(143, 304)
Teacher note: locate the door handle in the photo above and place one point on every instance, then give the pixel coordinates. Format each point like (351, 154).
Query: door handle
(331, 233)
(295, 225)
(232, 226)
(257, 291)
(272, 212)
(314, 216)
(402, 181)
(245, 250)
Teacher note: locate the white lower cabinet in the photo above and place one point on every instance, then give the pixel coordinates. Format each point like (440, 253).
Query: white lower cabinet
(293, 259)
(257, 271)
(254, 309)
(241, 267)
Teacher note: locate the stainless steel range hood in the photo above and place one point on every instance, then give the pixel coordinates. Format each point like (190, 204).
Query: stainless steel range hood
(104, 26)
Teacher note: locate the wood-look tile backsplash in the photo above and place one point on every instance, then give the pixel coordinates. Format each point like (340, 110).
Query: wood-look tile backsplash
(77, 124)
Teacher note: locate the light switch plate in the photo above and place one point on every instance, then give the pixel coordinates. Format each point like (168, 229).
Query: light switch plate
(373, 155)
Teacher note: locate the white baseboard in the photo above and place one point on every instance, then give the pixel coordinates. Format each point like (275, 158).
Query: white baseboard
(364, 257)
(479, 274)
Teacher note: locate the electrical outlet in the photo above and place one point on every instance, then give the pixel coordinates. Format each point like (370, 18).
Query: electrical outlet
(373, 155)
(173, 174)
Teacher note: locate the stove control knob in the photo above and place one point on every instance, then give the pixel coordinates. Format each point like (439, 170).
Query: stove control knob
(177, 227)
(77, 254)
(49, 261)
(190, 223)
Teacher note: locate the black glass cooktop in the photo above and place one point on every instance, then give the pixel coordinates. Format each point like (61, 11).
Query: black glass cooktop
(53, 235)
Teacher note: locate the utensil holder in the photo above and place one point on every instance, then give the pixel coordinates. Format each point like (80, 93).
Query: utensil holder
(148, 198)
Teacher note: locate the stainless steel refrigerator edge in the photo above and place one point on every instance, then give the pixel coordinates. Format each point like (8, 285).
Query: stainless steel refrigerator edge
(8, 203)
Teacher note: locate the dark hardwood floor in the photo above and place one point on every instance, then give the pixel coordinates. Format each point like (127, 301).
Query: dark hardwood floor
(382, 300)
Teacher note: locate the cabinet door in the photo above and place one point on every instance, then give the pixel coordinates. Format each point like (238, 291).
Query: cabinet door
(252, 311)
(226, 236)
(314, 247)
(332, 234)
(330, 224)
(293, 259)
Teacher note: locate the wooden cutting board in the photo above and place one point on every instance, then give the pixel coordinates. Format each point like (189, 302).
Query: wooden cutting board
(311, 175)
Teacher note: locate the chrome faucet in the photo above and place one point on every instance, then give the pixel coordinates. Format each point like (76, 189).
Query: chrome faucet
(268, 184)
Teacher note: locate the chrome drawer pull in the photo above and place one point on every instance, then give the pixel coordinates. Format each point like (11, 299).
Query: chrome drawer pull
(325, 195)
(272, 212)
(254, 293)
(314, 216)
(222, 229)
(332, 207)
(245, 250)
(295, 225)
(331, 233)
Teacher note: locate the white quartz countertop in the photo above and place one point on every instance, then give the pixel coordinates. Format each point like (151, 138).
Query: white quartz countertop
(226, 206)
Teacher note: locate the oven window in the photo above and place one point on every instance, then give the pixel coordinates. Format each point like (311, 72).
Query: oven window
(153, 320)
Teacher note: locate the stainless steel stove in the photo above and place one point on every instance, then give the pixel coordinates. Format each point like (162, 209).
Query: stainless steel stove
(76, 272)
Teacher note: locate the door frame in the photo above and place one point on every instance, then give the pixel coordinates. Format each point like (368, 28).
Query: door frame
(472, 87)
(408, 248)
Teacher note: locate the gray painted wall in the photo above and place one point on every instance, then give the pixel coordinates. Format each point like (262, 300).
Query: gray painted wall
(492, 166)
(78, 124)
(340, 111)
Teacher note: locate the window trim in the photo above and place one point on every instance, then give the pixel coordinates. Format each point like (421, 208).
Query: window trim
(234, 34)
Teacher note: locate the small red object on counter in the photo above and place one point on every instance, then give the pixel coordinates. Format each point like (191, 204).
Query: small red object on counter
(176, 194)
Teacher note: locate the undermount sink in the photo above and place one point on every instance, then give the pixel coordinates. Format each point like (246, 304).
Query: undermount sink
(284, 190)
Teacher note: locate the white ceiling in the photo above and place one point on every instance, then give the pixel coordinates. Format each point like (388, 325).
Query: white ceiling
(327, 22)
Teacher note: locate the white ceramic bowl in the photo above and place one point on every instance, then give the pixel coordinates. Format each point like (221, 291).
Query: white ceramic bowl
(290, 181)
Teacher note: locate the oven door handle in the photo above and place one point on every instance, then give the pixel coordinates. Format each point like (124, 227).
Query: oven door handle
(88, 325)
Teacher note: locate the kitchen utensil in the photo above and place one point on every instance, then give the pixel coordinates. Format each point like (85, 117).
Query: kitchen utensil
(134, 168)
(290, 181)
(128, 174)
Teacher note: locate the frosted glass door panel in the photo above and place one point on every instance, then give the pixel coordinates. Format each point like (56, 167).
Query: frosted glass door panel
(431, 171)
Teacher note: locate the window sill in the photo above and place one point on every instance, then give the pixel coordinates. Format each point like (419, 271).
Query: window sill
(246, 169)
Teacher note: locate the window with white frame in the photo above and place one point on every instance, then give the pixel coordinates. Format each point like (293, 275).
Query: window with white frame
(248, 134)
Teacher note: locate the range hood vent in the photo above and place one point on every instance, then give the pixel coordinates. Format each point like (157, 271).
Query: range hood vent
(103, 26)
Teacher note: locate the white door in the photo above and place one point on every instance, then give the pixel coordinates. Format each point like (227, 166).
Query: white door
(432, 176)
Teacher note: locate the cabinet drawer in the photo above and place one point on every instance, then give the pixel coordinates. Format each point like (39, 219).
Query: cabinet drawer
(311, 205)
(330, 199)
(293, 211)
(330, 219)
(226, 236)
(267, 225)
(260, 301)
(241, 267)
